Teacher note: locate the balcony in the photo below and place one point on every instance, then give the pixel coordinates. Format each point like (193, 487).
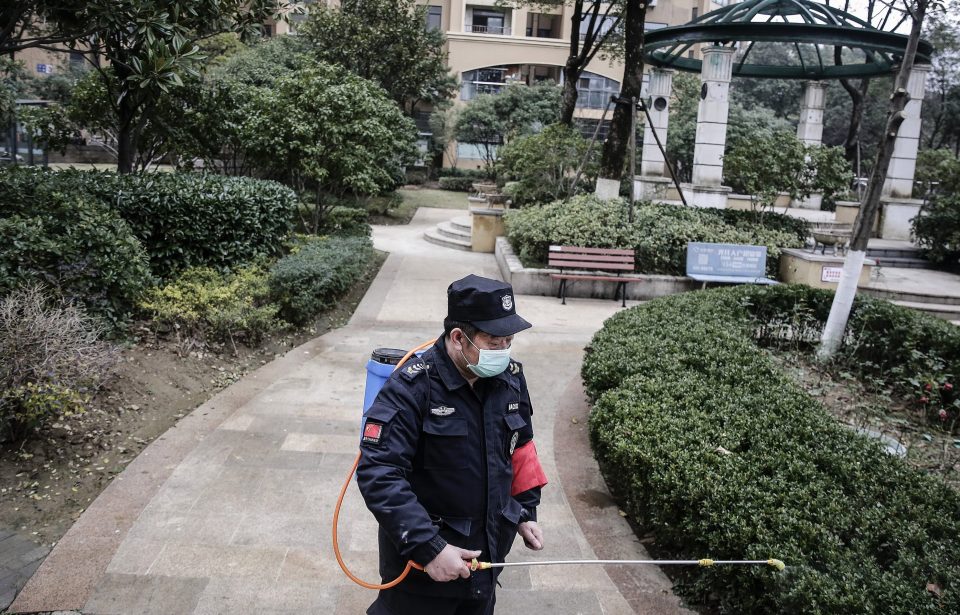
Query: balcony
(488, 29)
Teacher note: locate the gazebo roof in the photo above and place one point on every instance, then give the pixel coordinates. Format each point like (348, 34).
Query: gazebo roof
(815, 31)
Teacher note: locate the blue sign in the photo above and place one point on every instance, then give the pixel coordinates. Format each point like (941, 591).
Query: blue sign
(726, 259)
(45, 69)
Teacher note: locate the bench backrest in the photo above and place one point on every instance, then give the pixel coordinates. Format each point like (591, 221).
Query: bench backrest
(600, 259)
(727, 259)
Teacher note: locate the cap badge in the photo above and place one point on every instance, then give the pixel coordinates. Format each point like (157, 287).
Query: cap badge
(507, 302)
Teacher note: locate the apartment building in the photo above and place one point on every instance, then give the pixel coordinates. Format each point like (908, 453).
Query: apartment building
(491, 45)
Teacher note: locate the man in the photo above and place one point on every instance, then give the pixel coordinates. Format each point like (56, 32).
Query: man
(448, 465)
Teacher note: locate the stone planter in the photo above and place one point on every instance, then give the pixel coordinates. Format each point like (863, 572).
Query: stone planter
(817, 270)
(486, 228)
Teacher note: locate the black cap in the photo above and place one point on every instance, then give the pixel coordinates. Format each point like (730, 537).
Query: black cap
(486, 304)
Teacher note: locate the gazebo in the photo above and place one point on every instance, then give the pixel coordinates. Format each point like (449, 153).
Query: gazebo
(829, 44)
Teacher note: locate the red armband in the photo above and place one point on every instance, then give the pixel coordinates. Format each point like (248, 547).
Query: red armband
(527, 472)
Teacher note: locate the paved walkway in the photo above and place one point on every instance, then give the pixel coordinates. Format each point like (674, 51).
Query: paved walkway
(229, 511)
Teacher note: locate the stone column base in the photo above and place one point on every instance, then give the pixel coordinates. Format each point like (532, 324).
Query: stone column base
(896, 215)
(652, 188)
(607, 189)
(487, 226)
(713, 197)
(847, 214)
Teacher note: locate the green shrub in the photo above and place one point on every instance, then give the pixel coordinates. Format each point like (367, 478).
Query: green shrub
(457, 184)
(183, 220)
(51, 360)
(659, 233)
(707, 441)
(346, 221)
(315, 276)
(76, 246)
(937, 230)
(939, 167)
(204, 303)
(541, 167)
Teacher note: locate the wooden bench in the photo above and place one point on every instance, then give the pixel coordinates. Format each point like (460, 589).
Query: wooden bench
(727, 263)
(589, 264)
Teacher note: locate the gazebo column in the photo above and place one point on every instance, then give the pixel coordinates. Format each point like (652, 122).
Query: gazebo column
(898, 205)
(654, 182)
(810, 128)
(708, 189)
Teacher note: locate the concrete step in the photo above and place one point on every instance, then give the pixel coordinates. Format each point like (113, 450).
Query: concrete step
(433, 236)
(901, 262)
(908, 297)
(464, 223)
(940, 310)
(898, 252)
(454, 232)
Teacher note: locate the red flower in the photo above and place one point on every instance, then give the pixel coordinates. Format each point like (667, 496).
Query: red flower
(943, 414)
(924, 400)
(947, 386)
(927, 387)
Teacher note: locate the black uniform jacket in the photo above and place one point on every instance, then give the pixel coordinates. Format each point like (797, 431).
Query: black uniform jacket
(435, 468)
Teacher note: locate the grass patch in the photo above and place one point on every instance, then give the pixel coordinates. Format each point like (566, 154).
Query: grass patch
(415, 198)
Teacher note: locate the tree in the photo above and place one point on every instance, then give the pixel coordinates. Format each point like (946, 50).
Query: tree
(942, 106)
(615, 147)
(25, 24)
(387, 42)
(331, 134)
(492, 119)
(151, 45)
(543, 166)
(836, 324)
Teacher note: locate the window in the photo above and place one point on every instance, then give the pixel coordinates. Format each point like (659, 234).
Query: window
(489, 22)
(602, 27)
(482, 81)
(434, 17)
(594, 91)
(696, 12)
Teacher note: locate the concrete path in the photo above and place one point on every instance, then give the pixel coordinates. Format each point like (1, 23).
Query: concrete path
(229, 512)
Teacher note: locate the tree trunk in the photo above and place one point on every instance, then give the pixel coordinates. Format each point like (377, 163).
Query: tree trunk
(126, 147)
(851, 143)
(615, 147)
(833, 331)
(568, 105)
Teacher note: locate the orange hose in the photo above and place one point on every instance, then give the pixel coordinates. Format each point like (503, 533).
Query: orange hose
(343, 491)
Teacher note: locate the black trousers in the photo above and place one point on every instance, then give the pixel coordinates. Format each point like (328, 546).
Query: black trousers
(396, 602)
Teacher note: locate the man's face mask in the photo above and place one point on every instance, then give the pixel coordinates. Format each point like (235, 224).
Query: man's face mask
(490, 363)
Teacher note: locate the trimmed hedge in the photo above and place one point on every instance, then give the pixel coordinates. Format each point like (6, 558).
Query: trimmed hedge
(317, 273)
(659, 233)
(457, 184)
(183, 220)
(705, 439)
(77, 247)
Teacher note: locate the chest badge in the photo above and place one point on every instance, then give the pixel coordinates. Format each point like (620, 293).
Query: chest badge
(442, 411)
(513, 406)
(513, 441)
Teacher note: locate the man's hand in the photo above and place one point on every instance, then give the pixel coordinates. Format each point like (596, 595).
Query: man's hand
(450, 564)
(531, 534)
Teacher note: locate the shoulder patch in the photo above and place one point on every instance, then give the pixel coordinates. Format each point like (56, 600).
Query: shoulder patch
(515, 368)
(412, 370)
